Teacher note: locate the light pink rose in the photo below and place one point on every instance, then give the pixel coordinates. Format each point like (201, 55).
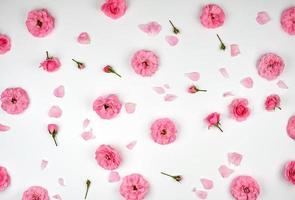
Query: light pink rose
(134, 187)
(163, 131)
(213, 119)
(244, 188)
(51, 64)
(270, 66)
(289, 172)
(14, 100)
(272, 101)
(36, 192)
(107, 107)
(4, 179)
(239, 109)
(212, 16)
(107, 157)
(145, 63)
(39, 22)
(288, 20)
(114, 8)
(291, 127)
(5, 44)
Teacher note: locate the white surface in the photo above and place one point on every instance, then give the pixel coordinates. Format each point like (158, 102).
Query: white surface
(197, 152)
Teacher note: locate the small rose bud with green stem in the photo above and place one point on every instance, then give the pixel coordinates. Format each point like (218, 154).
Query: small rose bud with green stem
(53, 130)
(193, 89)
(222, 46)
(177, 178)
(175, 30)
(88, 183)
(109, 69)
(80, 65)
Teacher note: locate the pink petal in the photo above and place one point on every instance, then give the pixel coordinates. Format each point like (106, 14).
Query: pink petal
(55, 111)
(234, 50)
(227, 94)
(223, 72)
(151, 28)
(172, 40)
(131, 145)
(86, 123)
(247, 82)
(4, 128)
(170, 97)
(201, 194)
(44, 164)
(194, 76)
(207, 184)
(282, 84)
(167, 86)
(88, 135)
(225, 171)
(159, 90)
(57, 196)
(130, 107)
(59, 91)
(114, 177)
(84, 38)
(262, 18)
(61, 182)
(234, 158)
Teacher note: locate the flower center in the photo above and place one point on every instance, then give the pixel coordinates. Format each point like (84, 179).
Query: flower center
(35, 197)
(246, 190)
(13, 100)
(164, 132)
(107, 157)
(134, 187)
(39, 23)
(145, 64)
(106, 106)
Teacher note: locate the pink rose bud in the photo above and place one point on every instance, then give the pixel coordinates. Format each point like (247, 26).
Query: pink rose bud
(213, 119)
(272, 102)
(80, 65)
(51, 64)
(193, 89)
(53, 130)
(289, 172)
(109, 69)
(177, 178)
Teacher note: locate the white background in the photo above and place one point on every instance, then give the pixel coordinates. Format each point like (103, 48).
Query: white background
(197, 152)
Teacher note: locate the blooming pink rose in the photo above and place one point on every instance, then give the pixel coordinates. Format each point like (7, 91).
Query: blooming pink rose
(145, 63)
(212, 16)
(39, 22)
(14, 100)
(239, 109)
(213, 119)
(272, 101)
(51, 64)
(134, 187)
(270, 66)
(114, 8)
(289, 172)
(36, 193)
(5, 44)
(288, 20)
(244, 188)
(107, 157)
(4, 179)
(107, 107)
(291, 127)
(163, 131)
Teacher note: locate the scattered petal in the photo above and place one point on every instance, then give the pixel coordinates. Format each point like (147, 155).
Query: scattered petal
(86, 123)
(55, 111)
(225, 171)
(234, 50)
(57, 196)
(84, 38)
(167, 86)
(207, 184)
(172, 40)
(44, 164)
(88, 135)
(201, 194)
(61, 181)
(227, 94)
(170, 97)
(247, 82)
(282, 84)
(151, 28)
(59, 91)
(159, 90)
(194, 76)
(131, 145)
(130, 107)
(234, 158)
(114, 177)
(223, 72)
(4, 128)
(262, 18)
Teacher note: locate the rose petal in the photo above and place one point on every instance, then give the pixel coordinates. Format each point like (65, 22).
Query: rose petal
(131, 145)
(114, 177)
(88, 135)
(194, 76)
(207, 184)
(4, 128)
(282, 84)
(172, 40)
(159, 90)
(167, 86)
(201, 194)
(234, 50)
(59, 91)
(262, 18)
(227, 94)
(223, 72)
(247, 82)
(86, 123)
(83, 38)
(130, 107)
(61, 182)
(170, 97)
(57, 196)
(234, 158)
(151, 28)
(225, 171)
(44, 164)
(55, 111)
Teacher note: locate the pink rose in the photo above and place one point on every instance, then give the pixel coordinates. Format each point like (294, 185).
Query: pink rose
(288, 20)
(213, 119)
(239, 109)
(107, 157)
(291, 127)
(212, 16)
(107, 107)
(36, 192)
(272, 101)
(289, 172)
(5, 44)
(53, 130)
(145, 63)
(51, 64)
(39, 22)
(134, 187)
(270, 66)
(4, 179)
(244, 188)
(14, 100)
(114, 8)
(163, 131)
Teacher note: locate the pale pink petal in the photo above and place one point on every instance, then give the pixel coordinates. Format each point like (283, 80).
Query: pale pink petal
(114, 177)
(159, 90)
(151, 28)
(57, 196)
(44, 164)
(61, 182)
(55, 111)
(225, 171)
(201, 194)
(131, 145)
(227, 94)
(167, 86)
(130, 107)
(86, 123)
(88, 135)
(234, 50)
(83, 38)
(59, 91)
(194, 76)
(234, 158)
(207, 184)
(282, 84)
(194, 189)
(170, 97)
(262, 18)
(224, 72)
(247, 82)
(172, 40)
(4, 128)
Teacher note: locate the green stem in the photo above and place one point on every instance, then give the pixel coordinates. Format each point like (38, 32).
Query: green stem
(53, 136)
(47, 55)
(202, 90)
(88, 183)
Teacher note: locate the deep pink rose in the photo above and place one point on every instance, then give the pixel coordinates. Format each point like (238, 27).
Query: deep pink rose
(145, 63)
(212, 16)
(5, 44)
(289, 172)
(270, 66)
(114, 8)
(134, 187)
(163, 131)
(107, 157)
(107, 107)
(291, 127)
(14, 100)
(51, 64)
(213, 119)
(272, 101)
(288, 20)
(244, 188)
(39, 22)
(4, 179)
(36, 193)
(239, 109)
